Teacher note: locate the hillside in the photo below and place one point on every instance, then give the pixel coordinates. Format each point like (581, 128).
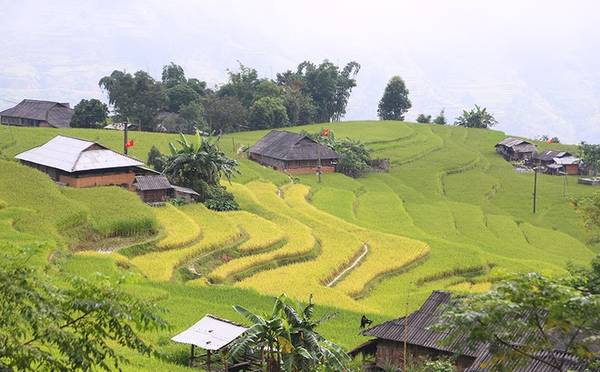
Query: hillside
(451, 214)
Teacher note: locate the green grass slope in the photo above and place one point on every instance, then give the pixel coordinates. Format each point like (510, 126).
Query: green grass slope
(451, 214)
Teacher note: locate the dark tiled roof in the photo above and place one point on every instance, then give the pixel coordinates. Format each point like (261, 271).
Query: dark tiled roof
(291, 146)
(56, 114)
(549, 155)
(428, 314)
(417, 327)
(517, 144)
(146, 183)
(185, 190)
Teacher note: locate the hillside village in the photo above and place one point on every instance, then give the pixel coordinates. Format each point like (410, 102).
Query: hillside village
(178, 226)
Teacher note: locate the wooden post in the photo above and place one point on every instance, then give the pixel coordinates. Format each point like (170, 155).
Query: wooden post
(318, 163)
(192, 356)
(208, 360)
(534, 188)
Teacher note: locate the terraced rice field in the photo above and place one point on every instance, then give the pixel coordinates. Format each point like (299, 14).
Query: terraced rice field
(450, 214)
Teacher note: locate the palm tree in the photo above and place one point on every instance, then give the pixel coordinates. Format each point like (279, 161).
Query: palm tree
(476, 118)
(198, 164)
(287, 339)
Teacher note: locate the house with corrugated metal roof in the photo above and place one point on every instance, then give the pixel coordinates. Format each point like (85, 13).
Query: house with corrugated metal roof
(516, 149)
(422, 342)
(81, 163)
(293, 153)
(36, 113)
(558, 162)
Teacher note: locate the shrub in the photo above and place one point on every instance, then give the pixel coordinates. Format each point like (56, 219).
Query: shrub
(219, 199)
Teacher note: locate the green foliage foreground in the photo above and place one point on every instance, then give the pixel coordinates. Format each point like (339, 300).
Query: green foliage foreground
(71, 326)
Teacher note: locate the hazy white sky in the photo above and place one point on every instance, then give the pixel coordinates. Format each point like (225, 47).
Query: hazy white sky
(534, 64)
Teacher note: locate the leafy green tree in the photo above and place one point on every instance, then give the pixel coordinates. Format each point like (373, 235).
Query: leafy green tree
(198, 164)
(588, 207)
(225, 114)
(180, 95)
(440, 119)
(354, 157)
(555, 139)
(590, 155)
(242, 85)
(476, 118)
(89, 114)
(424, 119)
(137, 97)
(327, 86)
(288, 340)
(543, 310)
(155, 159)
(72, 326)
(173, 75)
(300, 107)
(268, 112)
(395, 102)
(193, 114)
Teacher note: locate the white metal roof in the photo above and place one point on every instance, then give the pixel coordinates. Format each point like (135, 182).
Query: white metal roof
(210, 333)
(73, 154)
(567, 160)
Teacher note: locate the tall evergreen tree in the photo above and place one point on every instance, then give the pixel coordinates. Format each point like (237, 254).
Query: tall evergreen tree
(395, 102)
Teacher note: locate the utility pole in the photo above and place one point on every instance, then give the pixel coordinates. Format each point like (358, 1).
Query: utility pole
(125, 137)
(535, 170)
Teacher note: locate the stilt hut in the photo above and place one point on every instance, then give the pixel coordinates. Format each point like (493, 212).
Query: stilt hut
(213, 335)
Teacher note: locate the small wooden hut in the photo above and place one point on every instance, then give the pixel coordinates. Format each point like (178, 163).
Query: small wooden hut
(293, 153)
(153, 189)
(515, 149)
(213, 335)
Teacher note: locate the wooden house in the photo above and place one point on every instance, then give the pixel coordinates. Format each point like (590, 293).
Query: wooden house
(388, 338)
(186, 194)
(154, 188)
(34, 113)
(516, 149)
(293, 153)
(80, 163)
(558, 162)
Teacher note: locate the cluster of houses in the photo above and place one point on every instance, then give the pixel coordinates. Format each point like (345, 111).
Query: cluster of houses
(554, 162)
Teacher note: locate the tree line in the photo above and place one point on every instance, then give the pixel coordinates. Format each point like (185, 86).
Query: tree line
(175, 103)
(311, 93)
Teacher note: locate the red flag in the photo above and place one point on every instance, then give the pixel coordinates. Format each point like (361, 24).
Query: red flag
(129, 144)
(325, 132)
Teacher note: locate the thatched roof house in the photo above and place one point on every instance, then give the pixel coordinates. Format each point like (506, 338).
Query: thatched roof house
(293, 152)
(388, 343)
(515, 149)
(81, 163)
(34, 113)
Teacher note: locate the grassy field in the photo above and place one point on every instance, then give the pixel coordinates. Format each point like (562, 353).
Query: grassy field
(451, 214)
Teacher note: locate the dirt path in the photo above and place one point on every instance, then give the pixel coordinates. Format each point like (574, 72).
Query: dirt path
(354, 264)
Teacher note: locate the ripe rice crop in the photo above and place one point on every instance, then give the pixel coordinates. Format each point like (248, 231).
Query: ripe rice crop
(217, 231)
(261, 232)
(178, 227)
